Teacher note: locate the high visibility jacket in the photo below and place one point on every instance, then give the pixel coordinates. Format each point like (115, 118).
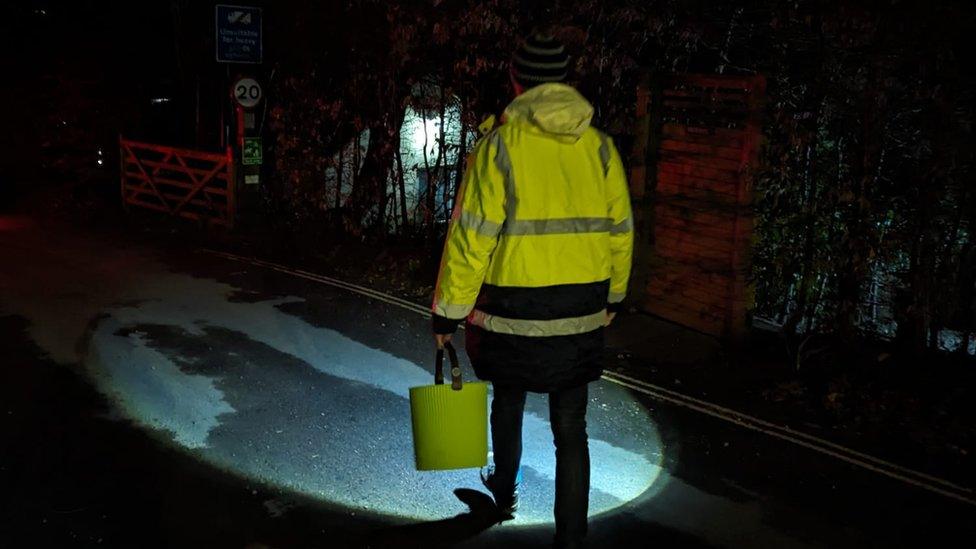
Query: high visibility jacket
(539, 244)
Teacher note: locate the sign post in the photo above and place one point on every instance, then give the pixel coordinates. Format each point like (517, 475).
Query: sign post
(239, 40)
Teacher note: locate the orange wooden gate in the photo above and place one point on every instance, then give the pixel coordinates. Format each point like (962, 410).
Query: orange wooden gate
(705, 135)
(181, 182)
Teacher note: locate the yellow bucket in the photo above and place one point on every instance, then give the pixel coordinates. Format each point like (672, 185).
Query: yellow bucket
(450, 422)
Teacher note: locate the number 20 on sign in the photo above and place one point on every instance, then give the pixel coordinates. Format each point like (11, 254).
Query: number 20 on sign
(247, 92)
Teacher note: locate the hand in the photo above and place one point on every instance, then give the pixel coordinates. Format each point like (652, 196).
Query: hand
(441, 339)
(610, 317)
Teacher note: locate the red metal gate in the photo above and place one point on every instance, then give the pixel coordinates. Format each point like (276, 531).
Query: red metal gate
(180, 182)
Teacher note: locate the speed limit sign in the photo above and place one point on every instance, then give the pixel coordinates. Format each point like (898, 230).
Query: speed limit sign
(247, 92)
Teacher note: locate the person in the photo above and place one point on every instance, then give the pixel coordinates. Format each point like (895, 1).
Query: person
(537, 260)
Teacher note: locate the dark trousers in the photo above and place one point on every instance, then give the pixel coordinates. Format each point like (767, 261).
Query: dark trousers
(567, 415)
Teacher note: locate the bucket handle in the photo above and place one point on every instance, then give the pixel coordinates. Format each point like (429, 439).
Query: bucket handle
(455, 368)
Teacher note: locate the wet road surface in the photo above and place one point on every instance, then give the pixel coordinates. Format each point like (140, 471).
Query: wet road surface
(173, 398)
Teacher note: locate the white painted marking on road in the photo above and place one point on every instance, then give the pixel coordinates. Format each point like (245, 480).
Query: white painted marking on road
(865, 461)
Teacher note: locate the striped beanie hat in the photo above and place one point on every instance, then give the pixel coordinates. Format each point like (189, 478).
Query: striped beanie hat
(540, 58)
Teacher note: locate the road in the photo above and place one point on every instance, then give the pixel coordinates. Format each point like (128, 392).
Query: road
(160, 396)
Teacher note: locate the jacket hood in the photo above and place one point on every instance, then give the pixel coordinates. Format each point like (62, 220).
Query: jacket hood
(555, 109)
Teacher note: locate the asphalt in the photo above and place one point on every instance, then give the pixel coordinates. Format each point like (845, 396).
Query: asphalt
(168, 398)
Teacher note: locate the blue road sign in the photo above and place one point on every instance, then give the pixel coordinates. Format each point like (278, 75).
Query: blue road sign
(238, 34)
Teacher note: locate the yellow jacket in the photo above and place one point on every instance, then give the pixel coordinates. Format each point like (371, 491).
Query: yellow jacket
(543, 210)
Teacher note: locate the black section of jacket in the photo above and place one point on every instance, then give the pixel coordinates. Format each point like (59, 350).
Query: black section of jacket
(545, 303)
(539, 364)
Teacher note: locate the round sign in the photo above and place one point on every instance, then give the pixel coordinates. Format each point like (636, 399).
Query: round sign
(247, 92)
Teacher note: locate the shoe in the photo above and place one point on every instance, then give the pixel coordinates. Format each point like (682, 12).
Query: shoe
(507, 503)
